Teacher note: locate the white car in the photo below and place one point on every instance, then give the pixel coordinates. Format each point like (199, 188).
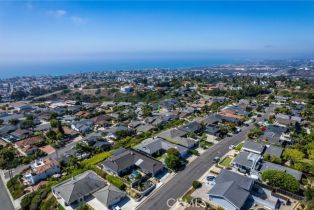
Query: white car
(116, 208)
(231, 147)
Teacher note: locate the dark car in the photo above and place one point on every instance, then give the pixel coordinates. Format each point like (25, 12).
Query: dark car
(210, 178)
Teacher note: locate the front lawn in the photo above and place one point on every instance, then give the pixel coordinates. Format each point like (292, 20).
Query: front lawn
(226, 162)
(16, 187)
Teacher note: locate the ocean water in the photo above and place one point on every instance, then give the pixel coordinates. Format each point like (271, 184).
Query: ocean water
(8, 70)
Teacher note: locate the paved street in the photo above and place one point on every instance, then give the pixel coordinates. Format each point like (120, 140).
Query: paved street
(177, 186)
(5, 201)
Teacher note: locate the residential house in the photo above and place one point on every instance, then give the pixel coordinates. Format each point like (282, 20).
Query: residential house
(109, 195)
(230, 116)
(254, 147)
(245, 162)
(40, 170)
(272, 166)
(78, 188)
(28, 146)
(83, 126)
(20, 134)
(231, 190)
(42, 127)
(179, 137)
(274, 134)
(123, 160)
(144, 128)
(192, 127)
(212, 130)
(152, 146)
(287, 120)
(96, 140)
(113, 132)
(168, 104)
(103, 120)
(212, 120)
(273, 151)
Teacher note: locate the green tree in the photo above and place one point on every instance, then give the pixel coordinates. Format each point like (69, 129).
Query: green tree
(54, 123)
(173, 151)
(147, 110)
(294, 155)
(281, 179)
(173, 162)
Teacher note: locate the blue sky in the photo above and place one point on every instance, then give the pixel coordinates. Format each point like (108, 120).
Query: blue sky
(61, 30)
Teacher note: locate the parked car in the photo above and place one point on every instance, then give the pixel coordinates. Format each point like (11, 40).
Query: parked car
(210, 178)
(216, 159)
(238, 130)
(231, 147)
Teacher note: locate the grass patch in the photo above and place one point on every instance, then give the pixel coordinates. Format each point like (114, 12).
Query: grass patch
(117, 181)
(226, 162)
(96, 158)
(239, 147)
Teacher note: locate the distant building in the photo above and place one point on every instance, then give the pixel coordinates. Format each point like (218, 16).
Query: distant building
(126, 89)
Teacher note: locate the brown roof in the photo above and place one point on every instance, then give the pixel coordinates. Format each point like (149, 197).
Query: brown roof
(69, 131)
(48, 163)
(82, 114)
(29, 141)
(229, 113)
(47, 149)
(101, 119)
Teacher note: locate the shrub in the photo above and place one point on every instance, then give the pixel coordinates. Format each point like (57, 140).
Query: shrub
(116, 181)
(196, 184)
(98, 171)
(26, 201)
(173, 151)
(195, 152)
(281, 179)
(96, 158)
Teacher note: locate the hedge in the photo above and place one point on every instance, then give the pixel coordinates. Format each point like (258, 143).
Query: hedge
(281, 179)
(196, 184)
(116, 181)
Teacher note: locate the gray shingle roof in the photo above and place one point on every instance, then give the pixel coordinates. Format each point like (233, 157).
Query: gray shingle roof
(81, 185)
(246, 159)
(233, 187)
(253, 147)
(123, 159)
(272, 166)
(273, 150)
(190, 127)
(109, 194)
(150, 146)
